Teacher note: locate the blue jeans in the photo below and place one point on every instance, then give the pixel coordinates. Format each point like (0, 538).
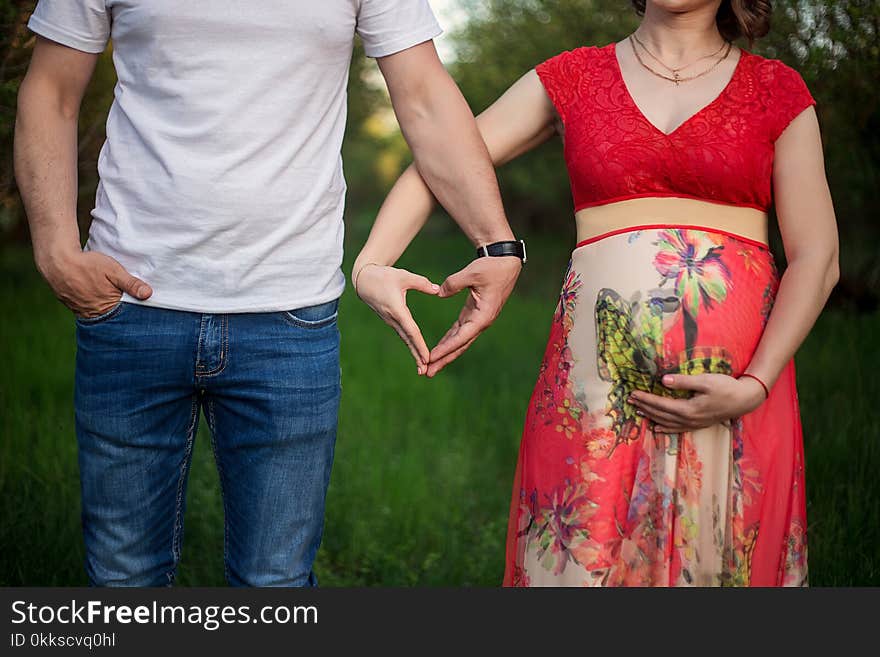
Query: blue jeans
(269, 385)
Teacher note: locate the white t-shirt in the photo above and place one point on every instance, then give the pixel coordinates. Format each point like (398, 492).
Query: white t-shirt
(221, 178)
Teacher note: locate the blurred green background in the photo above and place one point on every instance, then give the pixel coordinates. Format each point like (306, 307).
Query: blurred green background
(422, 479)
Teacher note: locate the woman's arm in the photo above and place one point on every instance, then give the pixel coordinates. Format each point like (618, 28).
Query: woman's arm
(518, 121)
(809, 234)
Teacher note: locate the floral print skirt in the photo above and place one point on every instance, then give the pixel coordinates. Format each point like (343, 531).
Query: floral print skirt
(599, 498)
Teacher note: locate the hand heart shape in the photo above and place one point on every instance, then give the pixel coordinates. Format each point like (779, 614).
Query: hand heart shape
(489, 282)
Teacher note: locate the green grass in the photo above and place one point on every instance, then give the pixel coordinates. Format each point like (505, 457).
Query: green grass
(422, 478)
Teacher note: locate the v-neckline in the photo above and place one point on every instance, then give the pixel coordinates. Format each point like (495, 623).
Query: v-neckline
(704, 108)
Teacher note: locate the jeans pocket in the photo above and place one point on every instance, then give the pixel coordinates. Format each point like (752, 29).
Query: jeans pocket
(313, 317)
(103, 317)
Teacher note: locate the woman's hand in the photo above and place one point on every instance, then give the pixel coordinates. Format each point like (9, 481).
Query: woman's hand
(717, 398)
(384, 290)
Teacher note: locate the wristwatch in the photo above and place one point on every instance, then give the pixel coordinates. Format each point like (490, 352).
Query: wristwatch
(516, 248)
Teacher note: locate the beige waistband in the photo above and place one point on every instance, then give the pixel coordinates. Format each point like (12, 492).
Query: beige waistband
(750, 223)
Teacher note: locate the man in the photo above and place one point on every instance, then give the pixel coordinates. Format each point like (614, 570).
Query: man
(211, 274)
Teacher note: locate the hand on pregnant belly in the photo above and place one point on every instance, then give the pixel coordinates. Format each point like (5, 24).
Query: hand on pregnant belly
(716, 398)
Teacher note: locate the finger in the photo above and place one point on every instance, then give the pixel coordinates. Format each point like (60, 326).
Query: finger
(455, 339)
(434, 368)
(414, 339)
(403, 323)
(662, 422)
(646, 400)
(664, 417)
(686, 382)
(129, 284)
(406, 340)
(413, 349)
(420, 284)
(455, 284)
(659, 417)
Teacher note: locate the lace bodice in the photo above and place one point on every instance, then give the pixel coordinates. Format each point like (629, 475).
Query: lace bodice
(723, 153)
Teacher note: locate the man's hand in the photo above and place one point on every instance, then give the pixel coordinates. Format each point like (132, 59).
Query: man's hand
(717, 398)
(490, 281)
(384, 290)
(90, 283)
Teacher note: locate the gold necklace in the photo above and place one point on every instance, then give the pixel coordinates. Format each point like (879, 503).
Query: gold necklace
(679, 68)
(676, 78)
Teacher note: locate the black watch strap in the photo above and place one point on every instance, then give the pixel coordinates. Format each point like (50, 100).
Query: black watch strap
(516, 248)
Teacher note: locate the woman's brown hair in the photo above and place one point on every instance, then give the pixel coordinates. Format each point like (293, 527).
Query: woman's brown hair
(736, 18)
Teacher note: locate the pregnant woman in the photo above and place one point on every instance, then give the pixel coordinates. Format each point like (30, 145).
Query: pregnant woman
(662, 444)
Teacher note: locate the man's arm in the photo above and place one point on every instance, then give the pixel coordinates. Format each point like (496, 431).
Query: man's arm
(520, 120)
(452, 158)
(46, 172)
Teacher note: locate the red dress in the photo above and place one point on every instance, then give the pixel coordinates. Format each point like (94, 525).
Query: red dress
(600, 499)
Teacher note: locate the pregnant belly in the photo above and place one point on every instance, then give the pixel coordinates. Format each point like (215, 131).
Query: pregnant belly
(643, 302)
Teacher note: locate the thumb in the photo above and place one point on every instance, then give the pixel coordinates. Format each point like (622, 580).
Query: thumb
(129, 284)
(420, 284)
(454, 284)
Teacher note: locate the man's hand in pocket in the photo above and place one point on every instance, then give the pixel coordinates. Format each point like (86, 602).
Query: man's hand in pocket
(90, 283)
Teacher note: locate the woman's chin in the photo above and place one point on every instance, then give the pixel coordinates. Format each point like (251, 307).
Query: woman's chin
(682, 6)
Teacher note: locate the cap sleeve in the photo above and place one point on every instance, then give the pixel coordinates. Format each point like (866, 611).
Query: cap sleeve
(789, 97)
(561, 76)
